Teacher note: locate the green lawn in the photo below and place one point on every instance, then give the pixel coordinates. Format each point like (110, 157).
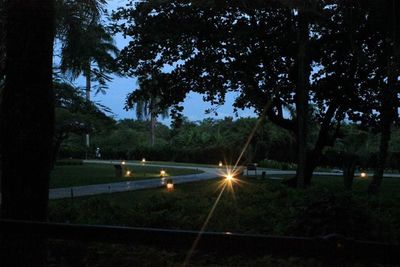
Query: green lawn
(75, 175)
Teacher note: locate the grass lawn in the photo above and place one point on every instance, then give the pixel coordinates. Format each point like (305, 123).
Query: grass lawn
(76, 175)
(255, 206)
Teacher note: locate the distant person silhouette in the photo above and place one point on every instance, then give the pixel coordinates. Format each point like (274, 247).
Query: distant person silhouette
(98, 155)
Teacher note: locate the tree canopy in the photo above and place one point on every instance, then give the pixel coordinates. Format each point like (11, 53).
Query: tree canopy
(330, 55)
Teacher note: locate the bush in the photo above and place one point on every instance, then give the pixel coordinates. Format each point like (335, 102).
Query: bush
(326, 212)
(267, 163)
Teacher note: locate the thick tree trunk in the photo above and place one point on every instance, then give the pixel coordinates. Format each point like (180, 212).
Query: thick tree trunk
(324, 139)
(348, 173)
(388, 106)
(386, 122)
(375, 184)
(302, 98)
(27, 126)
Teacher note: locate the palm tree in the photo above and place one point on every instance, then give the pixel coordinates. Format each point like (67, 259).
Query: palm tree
(149, 109)
(87, 46)
(91, 52)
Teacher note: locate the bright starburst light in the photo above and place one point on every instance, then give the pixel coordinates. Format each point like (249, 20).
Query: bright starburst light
(230, 178)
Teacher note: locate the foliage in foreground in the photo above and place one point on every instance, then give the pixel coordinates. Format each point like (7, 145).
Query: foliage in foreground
(263, 207)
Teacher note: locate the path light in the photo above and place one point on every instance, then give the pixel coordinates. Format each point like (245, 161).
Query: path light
(123, 162)
(128, 173)
(143, 160)
(363, 175)
(170, 185)
(220, 164)
(229, 176)
(162, 173)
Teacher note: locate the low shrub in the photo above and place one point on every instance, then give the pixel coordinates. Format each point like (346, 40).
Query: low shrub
(267, 163)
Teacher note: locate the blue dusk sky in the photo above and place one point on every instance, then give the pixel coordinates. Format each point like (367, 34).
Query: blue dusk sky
(194, 107)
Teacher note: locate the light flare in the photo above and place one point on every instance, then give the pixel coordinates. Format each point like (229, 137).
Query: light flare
(196, 241)
(228, 181)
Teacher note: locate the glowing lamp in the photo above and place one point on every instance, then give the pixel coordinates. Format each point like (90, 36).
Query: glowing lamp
(220, 164)
(170, 185)
(123, 162)
(162, 173)
(363, 175)
(128, 173)
(143, 160)
(229, 177)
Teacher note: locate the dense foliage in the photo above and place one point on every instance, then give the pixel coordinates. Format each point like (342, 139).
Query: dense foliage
(214, 140)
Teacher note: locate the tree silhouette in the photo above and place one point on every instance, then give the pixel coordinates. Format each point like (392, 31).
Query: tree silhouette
(27, 125)
(147, 105)
(87, 46)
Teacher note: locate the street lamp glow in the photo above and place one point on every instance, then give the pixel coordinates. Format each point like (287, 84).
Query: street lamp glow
(128, 173)
(123, 162)
(363, 175)
(162, 173)
(143, 160)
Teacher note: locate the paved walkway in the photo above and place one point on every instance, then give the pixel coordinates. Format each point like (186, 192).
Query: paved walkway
(87, 190)
(208, 173)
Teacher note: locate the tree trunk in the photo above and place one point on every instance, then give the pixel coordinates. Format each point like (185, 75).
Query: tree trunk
(88, 83)
(153, 121)
(388, 106)
(27, 126)
(302, 97)
(348, 174)
(87, 91)
(386, 122)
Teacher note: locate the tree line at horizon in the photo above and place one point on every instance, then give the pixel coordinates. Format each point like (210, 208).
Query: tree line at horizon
(213, 140)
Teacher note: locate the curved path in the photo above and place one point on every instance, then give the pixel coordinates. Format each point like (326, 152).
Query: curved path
(208, 173)
(95, 189)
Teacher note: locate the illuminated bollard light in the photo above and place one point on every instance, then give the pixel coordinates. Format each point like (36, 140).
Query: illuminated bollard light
(170, 185)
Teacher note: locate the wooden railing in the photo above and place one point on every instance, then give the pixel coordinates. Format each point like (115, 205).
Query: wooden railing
(334, 247)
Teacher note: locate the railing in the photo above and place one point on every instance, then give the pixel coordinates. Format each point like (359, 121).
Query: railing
(333, 247)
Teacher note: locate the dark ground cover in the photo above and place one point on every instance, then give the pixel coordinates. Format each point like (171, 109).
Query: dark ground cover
(86, 174)
(255, 207)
